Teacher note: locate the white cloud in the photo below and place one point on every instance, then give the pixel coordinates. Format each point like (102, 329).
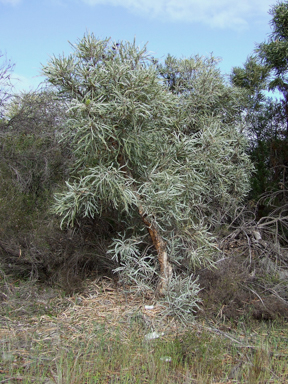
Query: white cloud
(234, 14)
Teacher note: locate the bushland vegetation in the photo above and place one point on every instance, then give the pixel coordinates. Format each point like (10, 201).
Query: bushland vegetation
(155, 190)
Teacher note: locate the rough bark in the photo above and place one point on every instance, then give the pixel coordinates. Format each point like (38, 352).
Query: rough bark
(160, 246)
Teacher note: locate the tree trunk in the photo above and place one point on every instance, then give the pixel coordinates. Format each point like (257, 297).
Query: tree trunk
(158, 242)
(160, 246)
(286, 114)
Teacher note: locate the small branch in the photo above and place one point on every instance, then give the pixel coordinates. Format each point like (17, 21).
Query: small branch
(272, 221)
(9, 251)
(217, 331)
(255, 293)
(276, 294)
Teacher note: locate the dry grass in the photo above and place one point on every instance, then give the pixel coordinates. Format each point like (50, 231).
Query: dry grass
(98, 336)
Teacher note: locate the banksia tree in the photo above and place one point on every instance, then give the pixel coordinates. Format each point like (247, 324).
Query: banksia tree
(134, 154)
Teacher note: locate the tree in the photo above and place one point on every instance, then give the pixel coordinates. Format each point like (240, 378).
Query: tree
(33, 164)
(266, 118)
(136, 152)
(198, 81)
(261, 116)
(205, 99)
(253, 77)
(268, 147)
(29, 143)
(6, 67)
(274, 53)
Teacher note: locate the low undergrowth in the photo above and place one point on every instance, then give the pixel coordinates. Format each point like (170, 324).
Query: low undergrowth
(111, 334)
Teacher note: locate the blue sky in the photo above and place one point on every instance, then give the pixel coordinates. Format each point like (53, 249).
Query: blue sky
(33, 30)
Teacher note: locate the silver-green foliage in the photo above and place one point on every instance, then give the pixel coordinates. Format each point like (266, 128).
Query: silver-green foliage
(181, 300)
(176, 154)
(136, 266)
